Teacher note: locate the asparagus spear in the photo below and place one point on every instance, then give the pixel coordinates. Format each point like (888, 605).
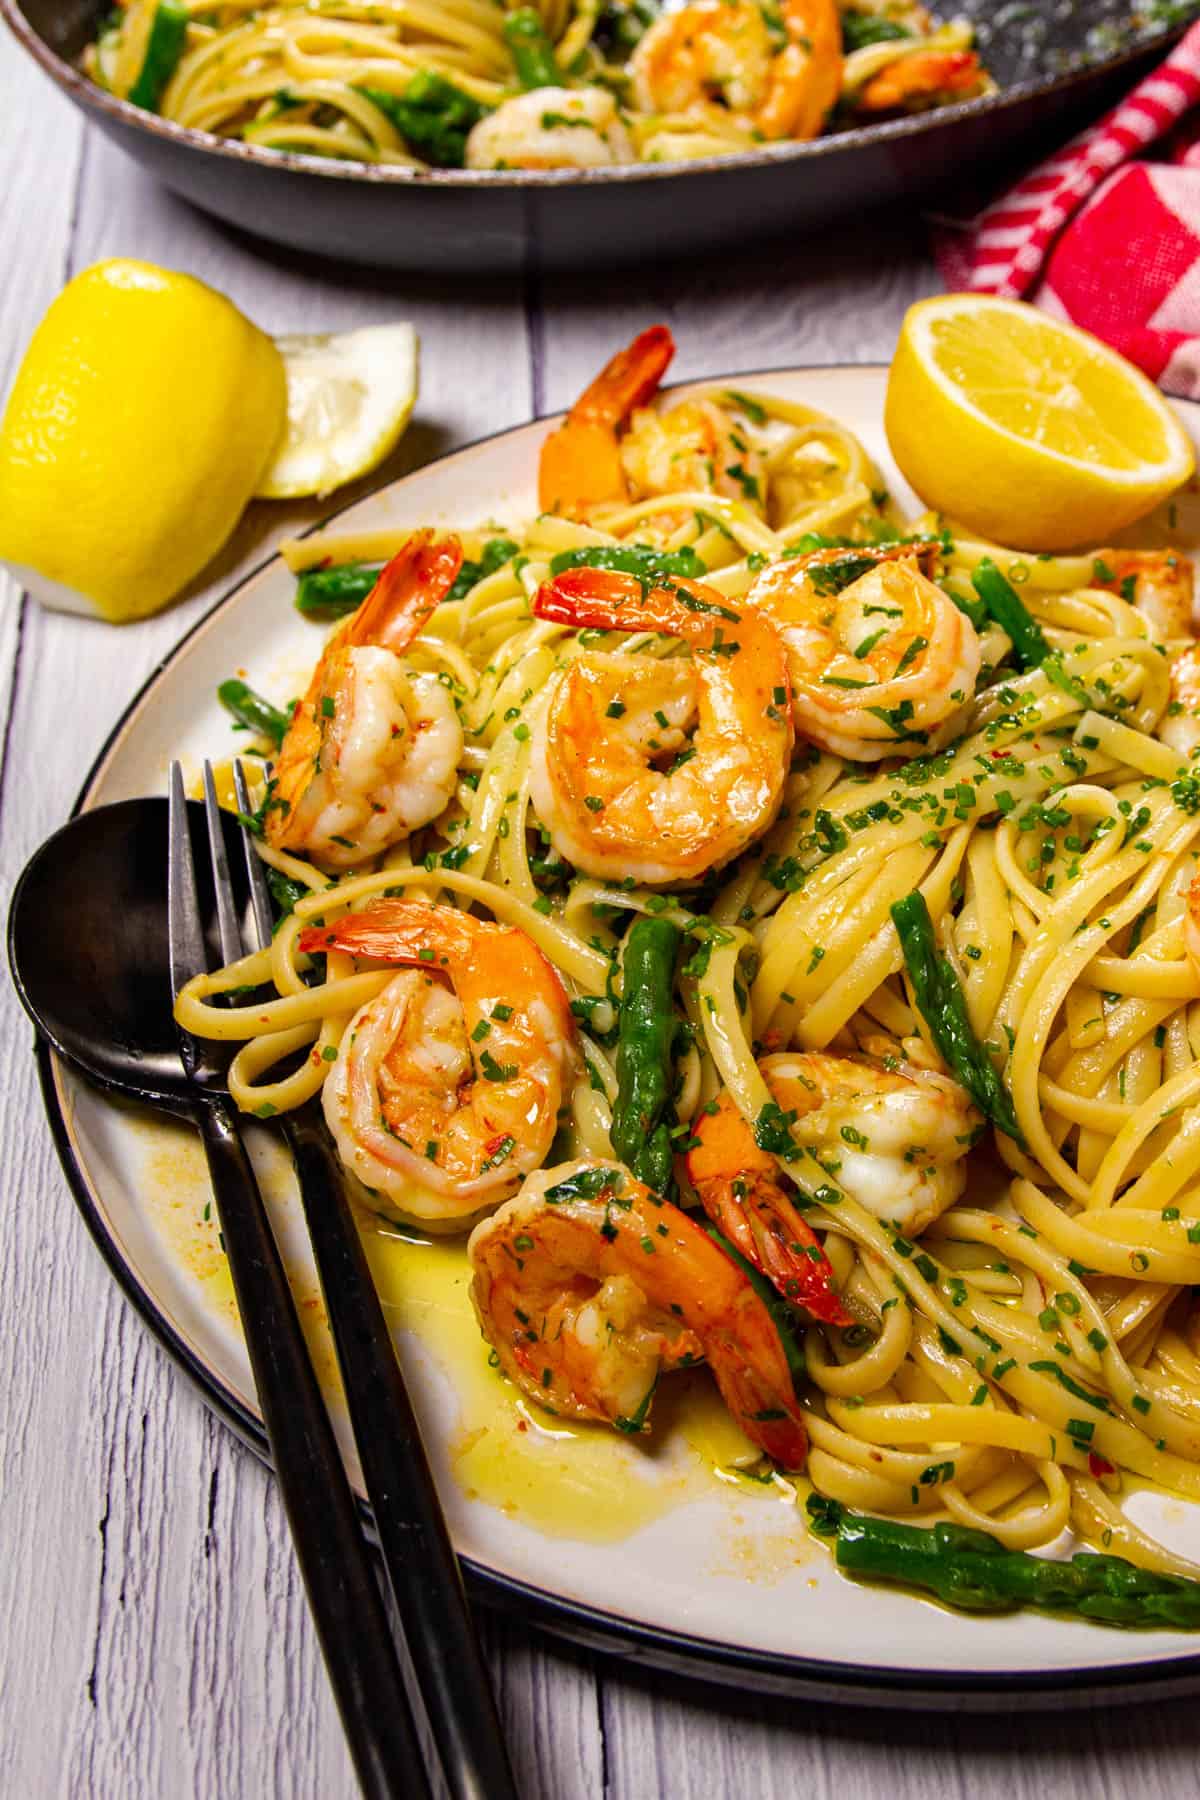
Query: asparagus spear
(495, 553)
(1010, 612)
(973, 1571)
(649, 565)
(432, 116)
(944, 1009)
(252, 710)
(332, 593)
(532, 52)
(164, 47)
(642, 1115)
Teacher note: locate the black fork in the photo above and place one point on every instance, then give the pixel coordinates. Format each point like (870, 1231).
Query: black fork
(334, 1559)
(422, 1569)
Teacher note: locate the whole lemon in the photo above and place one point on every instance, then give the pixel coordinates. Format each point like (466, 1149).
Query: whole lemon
(144, 413)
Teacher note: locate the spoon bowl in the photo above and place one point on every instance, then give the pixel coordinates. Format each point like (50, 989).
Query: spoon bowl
(88, 945)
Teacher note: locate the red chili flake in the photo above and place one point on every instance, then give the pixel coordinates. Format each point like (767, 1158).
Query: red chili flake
(1098, 1465)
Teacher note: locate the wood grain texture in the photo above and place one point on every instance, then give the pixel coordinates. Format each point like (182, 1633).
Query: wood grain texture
(694, 1743)
(837, 301)
(156, 1642)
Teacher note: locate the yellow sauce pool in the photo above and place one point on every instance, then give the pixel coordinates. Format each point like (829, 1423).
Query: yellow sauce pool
(566, 1479)
(563, 1477)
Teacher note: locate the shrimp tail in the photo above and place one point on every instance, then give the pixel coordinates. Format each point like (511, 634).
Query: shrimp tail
(439, 939)
(760, 1221)
(408, 592)
(628, 380)
(913, 78)
(607, 600)
(740, 1190)
(779, 1430)
(393, 931)
(580, 464)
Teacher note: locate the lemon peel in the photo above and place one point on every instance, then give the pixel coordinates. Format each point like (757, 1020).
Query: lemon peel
(140, 421)
(1026, 429)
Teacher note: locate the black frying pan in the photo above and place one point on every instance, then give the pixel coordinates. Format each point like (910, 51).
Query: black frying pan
(1058, 62)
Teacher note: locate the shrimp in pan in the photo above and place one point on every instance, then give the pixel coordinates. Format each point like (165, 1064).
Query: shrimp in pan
(589, 1286)
(742, 1192)
(661, 769)
(721, 53)
(928, 78)
(879, 656)
(448, 1085)
(551, 128)
(372, 750)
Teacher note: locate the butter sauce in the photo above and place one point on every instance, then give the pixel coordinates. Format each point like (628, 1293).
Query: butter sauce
(563, 1478)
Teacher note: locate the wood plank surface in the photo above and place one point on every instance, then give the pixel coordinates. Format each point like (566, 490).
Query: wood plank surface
(155, 1637)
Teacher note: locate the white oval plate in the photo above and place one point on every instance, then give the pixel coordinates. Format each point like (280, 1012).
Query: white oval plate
(726, 1583)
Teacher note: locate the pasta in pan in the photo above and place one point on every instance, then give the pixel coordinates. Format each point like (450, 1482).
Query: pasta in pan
(750, 852)
(448, 82)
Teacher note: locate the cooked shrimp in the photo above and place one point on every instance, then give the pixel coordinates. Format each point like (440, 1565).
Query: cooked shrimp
(1158, 582)
(372, 750)
(692, 445)
(1191, 927)
(1180, 729)
(551, 128)
(580, 465)
(740, 1188)
(613, 447)
(879, 656)
(898, 1136)
(661, 770)
(448, 1085)
(930, 78)
(588, 1287)
(721, 53)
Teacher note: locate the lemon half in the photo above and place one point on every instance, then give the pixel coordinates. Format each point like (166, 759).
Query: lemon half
(349, 398)
(1024, 428)
(143, 416)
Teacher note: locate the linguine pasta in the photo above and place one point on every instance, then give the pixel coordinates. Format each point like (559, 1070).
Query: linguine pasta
(405, 81)
(1036, 1350)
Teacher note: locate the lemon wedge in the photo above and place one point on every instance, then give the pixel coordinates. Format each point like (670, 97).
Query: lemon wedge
(349, 397)
(140, 421)
(1025, 429)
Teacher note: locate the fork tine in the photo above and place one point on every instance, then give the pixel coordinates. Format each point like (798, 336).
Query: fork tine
(188, 955)
(260, 894)
(227, 919)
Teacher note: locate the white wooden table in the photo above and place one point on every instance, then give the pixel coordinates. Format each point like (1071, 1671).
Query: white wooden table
(153, 1634)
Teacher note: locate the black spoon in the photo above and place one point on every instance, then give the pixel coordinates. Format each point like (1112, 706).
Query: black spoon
(89, 949)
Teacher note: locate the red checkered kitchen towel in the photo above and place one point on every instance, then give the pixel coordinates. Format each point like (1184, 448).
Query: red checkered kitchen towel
(1107, 241)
